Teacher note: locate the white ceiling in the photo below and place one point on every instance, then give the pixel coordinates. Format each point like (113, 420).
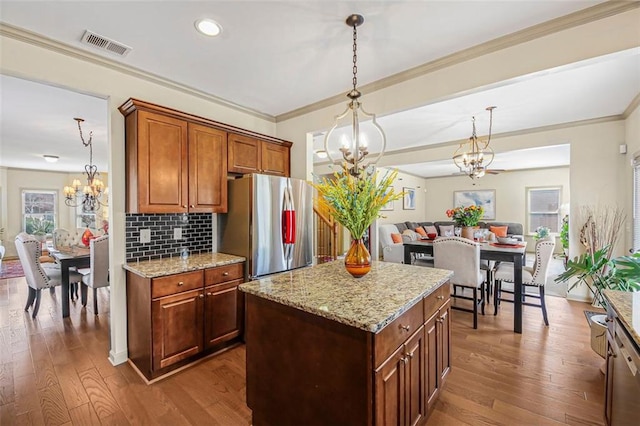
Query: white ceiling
(274, 57)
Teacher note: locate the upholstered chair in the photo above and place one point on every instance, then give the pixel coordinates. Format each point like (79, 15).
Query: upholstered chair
(534, 277)
(97, 275)
(391, 252)
(38, 276)
(462, 256)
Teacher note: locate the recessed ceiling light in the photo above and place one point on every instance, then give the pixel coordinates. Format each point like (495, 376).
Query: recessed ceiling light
(321, 153)
(208, 27)
(50, 158)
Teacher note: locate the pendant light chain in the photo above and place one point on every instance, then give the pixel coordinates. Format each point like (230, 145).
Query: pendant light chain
(355, 57)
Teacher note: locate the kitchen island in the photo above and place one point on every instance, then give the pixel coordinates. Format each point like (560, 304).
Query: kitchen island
(325, 348)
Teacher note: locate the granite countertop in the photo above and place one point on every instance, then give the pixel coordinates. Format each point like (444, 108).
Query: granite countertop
(175, 265)
(368, 303)
(627, 306)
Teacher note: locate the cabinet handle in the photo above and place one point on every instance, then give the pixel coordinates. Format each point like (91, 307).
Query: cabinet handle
(225, 274)
(180, 284)
(440, 297)
(410, 355)
(440, 320)
(405, 327)
(209, 294)
(404, 359)
(192, 206)
(201, 296)
(184, 206)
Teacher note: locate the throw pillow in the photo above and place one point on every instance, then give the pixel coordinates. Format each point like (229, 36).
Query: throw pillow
(500, 231)
(411, 235)
(396, 238)
(446, 228)
(421, 231)
(431, 229)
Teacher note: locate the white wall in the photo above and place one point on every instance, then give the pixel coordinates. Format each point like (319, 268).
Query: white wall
(26, 57)
(399, 214)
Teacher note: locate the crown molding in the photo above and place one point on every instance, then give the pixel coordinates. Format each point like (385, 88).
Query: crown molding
(581, 17)
(635, 102)
(38, 40)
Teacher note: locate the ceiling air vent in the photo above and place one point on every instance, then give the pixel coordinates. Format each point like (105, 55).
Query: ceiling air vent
(104, 43)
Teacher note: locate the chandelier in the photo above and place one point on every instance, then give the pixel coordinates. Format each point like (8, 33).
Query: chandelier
(88, 196)
(474, 157)
(352, 141)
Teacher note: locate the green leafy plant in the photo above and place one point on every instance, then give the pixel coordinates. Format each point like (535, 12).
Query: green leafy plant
(355, 202)
(564, 232)
(38, 226)
(599, 273)
(466, 216)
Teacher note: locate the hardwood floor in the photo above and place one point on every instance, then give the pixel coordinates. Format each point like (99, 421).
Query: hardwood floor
(56, 372)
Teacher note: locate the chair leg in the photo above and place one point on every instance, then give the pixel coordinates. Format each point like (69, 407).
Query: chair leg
(52, 290)
(496, 296)
(95, 301)
(83, 293)
(30, 298)
(482, 301)
(37, 305)
(475, 308)
(543, 306)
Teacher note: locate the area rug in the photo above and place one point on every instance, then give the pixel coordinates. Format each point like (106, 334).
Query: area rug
(11, 269)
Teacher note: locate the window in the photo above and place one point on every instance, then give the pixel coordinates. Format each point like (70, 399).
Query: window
(636, 204)
(543, 208)
(38, 211)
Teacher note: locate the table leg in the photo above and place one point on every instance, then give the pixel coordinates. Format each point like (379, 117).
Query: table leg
(517, 294)
(407, 255)
(64, 269)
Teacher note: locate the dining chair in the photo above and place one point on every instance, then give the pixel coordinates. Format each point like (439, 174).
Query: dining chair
(462, 256)
(62, 239)
(37, 275)
(97, 275)
(535, 277)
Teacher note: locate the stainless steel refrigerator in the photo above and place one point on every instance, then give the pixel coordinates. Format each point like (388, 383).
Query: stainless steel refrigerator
(270, 222)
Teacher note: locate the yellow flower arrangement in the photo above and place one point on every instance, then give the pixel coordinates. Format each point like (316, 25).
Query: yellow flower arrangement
(356, 202)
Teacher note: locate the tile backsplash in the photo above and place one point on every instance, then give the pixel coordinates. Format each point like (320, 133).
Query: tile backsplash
(197, 235)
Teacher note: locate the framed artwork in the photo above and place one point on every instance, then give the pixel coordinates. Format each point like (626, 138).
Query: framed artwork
(409, 200)
(484, 198)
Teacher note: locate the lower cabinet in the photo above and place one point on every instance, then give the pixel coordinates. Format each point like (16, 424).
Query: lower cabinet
(176, 319)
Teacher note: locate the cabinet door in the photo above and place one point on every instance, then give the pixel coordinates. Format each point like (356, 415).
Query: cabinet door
(415, 376)
(390, 390)
(177, 327)
(207, 170)
(431, 356)
(159, 165)
(244, 154)
(224, 312)
(275, 159)
(444, 339)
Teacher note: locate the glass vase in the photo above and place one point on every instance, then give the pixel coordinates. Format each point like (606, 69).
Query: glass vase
(467, 232)
(358, 260)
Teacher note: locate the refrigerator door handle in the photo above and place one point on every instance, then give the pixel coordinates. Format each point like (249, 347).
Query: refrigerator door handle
(288, 219)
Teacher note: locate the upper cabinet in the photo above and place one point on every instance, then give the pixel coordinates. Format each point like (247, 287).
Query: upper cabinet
(252, 155)
(177, 162)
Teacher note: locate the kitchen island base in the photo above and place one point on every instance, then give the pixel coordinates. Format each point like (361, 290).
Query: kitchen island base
(303, 368)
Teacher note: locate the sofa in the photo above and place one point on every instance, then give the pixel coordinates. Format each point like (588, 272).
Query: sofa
(391, 252)
(514, 229)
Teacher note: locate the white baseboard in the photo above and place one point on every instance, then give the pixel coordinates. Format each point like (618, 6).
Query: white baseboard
(578, 298)
(117, 358)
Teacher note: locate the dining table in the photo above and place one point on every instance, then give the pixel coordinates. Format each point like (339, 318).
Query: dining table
(67, 258)
(514, 253)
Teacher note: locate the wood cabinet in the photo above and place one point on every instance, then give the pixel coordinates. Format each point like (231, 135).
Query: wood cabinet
(392, 377)
(177, 162)
(252, 155)
(176, 319)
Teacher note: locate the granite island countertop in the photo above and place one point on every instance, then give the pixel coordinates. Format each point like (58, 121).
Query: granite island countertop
(627, 306)
(368, 303)
(175, 265)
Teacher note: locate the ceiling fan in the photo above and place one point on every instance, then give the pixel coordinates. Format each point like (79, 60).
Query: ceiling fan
(486, 172)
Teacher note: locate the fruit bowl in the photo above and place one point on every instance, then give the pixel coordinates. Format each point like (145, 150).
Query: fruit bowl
(432, 235)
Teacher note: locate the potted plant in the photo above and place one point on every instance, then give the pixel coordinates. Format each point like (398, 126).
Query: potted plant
(467, 218)
(355, 202)
(541, 232)
(39, 227)
(564, 238)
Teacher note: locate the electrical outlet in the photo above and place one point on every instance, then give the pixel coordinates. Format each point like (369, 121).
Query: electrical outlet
(145, 236)
(177, 233)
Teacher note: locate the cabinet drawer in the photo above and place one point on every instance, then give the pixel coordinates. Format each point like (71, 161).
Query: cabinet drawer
(397, 332)
(223, 273)
(433, 301)
(178, 283)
